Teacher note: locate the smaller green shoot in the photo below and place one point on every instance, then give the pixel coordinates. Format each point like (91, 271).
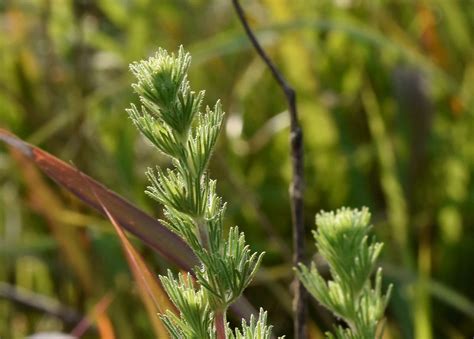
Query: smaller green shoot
(342, 240)
(256, 329)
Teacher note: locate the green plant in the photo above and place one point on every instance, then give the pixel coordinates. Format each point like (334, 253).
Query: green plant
(343, 241)
(170, 118)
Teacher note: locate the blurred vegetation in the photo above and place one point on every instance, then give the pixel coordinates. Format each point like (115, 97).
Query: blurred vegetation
(385, 97)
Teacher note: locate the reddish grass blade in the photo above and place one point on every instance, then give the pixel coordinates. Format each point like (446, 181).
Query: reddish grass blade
(146, 228)
(137, 222)
(97, 314)
(105, 327)
(151, 290)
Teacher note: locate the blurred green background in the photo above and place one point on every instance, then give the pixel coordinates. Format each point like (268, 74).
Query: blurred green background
(385, 98)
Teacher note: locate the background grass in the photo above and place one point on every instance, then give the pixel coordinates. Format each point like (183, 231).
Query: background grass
(385, 97)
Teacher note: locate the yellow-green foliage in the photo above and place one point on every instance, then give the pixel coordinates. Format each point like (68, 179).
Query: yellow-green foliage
(385, 95)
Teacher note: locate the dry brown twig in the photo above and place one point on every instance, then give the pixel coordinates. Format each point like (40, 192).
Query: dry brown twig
(296, 188)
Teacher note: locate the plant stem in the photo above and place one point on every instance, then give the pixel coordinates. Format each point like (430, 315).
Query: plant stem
(296, 189)
(203, 232)
(219, 322)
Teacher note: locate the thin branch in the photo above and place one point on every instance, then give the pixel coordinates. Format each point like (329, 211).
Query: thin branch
(40, 303)
(296, 191)
(220, 321)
